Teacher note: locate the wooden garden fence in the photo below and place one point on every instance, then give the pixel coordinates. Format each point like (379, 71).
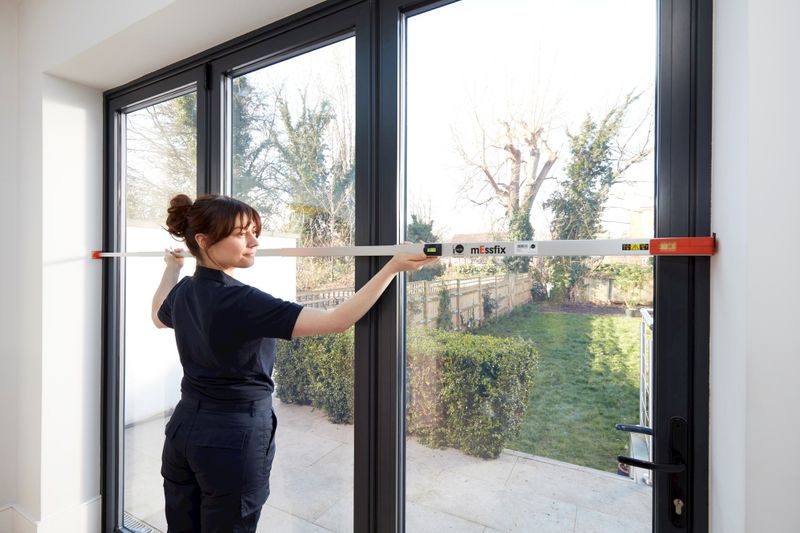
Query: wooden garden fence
(472, 300)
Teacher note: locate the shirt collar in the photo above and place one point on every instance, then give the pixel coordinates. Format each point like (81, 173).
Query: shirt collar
(213, 274)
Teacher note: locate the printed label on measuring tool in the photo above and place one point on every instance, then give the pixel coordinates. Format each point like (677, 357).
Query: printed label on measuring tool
(525, 248)
(458, 249)
(635, 246)
(487, 250)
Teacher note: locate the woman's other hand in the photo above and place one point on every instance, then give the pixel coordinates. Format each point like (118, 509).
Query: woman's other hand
(172, 260)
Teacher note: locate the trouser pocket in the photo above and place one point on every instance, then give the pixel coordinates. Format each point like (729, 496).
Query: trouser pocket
(257, 491)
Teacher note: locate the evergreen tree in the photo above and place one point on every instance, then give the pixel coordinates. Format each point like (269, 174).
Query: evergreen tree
(596, 164)
(444, 318)
(420, 230)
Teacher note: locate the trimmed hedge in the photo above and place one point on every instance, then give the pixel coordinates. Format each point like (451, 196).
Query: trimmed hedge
(317, 371)
(464, 391)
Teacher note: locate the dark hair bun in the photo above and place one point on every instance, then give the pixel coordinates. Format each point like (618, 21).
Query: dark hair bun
(177, 212)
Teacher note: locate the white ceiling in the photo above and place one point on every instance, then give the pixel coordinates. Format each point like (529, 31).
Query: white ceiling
(178, 31)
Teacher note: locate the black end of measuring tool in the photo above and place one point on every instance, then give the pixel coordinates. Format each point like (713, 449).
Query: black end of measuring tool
(433, 249)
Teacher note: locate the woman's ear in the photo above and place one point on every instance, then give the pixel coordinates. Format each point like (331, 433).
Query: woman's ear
(201, 241)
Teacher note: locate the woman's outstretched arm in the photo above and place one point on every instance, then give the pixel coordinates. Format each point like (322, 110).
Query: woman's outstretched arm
(319, 322)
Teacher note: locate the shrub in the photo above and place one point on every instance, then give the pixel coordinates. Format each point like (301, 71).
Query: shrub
(331, 370)
(292, 382)
(318, 371)
(444, 318)
(466, 391)
(630, 279)
(489, 304)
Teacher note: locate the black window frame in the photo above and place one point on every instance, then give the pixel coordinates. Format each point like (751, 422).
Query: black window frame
(683, 133)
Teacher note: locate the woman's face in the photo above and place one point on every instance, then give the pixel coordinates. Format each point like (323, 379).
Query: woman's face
(237, 250)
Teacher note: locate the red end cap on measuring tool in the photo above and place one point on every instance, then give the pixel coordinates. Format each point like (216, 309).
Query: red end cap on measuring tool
(683, 246)
(96, 254)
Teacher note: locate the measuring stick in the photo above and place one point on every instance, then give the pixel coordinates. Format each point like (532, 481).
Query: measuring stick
(682, 246)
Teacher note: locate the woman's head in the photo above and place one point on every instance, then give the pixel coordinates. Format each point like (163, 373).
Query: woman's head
(220, 231)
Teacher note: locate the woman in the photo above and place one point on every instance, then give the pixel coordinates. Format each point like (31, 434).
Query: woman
(219, 442)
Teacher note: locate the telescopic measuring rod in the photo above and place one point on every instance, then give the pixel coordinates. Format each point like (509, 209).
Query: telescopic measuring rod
(678, 246)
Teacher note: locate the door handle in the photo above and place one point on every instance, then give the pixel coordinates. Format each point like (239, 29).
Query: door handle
(630, 428)
(657, 467)
(678, 453)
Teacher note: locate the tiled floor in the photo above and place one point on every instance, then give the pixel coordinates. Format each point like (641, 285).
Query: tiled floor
(312, 487)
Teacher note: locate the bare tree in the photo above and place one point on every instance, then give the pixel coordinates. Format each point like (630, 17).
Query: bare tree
(512, 161)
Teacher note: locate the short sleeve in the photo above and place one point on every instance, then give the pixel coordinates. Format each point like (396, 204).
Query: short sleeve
(165, 311)
(267, 316)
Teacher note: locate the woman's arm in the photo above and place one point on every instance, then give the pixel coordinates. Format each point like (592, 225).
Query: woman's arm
(318, 322)
(168, 280)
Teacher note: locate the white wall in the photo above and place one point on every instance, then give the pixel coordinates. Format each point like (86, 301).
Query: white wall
(773, 262)
(728, 268)
(755, 349)
(9, 266)
(70, 363)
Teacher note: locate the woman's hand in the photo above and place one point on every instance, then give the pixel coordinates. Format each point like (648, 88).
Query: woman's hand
(410, 262)
(172, 260)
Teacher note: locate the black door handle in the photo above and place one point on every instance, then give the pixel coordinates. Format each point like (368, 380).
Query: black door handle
(657, 467)
(630, 428)
(678, 452)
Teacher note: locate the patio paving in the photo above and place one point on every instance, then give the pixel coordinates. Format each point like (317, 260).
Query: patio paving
(446, 490)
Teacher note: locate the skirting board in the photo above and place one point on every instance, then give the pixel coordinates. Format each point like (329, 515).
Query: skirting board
(78, 519)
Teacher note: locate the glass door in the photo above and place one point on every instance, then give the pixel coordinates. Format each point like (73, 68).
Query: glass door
(529, 120)
(160, 161)
(292, 157)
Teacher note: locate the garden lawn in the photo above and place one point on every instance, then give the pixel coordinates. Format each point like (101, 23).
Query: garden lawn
(587, 381)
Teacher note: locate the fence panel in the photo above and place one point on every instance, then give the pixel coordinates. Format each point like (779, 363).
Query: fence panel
(472, 300)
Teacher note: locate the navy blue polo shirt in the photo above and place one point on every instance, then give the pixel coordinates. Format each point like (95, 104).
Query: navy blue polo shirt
(225, 332)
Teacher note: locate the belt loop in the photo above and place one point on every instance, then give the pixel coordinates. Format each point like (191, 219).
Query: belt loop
(252, 409)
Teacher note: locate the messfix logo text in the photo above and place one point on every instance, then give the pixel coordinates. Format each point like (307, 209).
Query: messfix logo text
(488, 250)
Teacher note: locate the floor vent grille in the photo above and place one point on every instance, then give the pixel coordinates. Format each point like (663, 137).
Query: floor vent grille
(134, 525)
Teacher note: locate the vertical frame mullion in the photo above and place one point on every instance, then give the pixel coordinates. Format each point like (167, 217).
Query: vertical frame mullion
(218, 178)
(111, 465)
(204, 179)
(390, 467)
(365, 445)
(681, 335)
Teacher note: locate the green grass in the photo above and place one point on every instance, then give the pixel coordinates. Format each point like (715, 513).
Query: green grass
(587, 381)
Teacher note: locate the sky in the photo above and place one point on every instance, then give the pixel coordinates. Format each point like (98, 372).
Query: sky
(507, 58)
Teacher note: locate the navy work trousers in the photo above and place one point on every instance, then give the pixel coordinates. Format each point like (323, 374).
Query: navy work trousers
(216, 463)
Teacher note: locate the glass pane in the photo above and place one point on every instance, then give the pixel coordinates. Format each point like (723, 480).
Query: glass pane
(160, 154)
(528, 120)
(293, 138)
